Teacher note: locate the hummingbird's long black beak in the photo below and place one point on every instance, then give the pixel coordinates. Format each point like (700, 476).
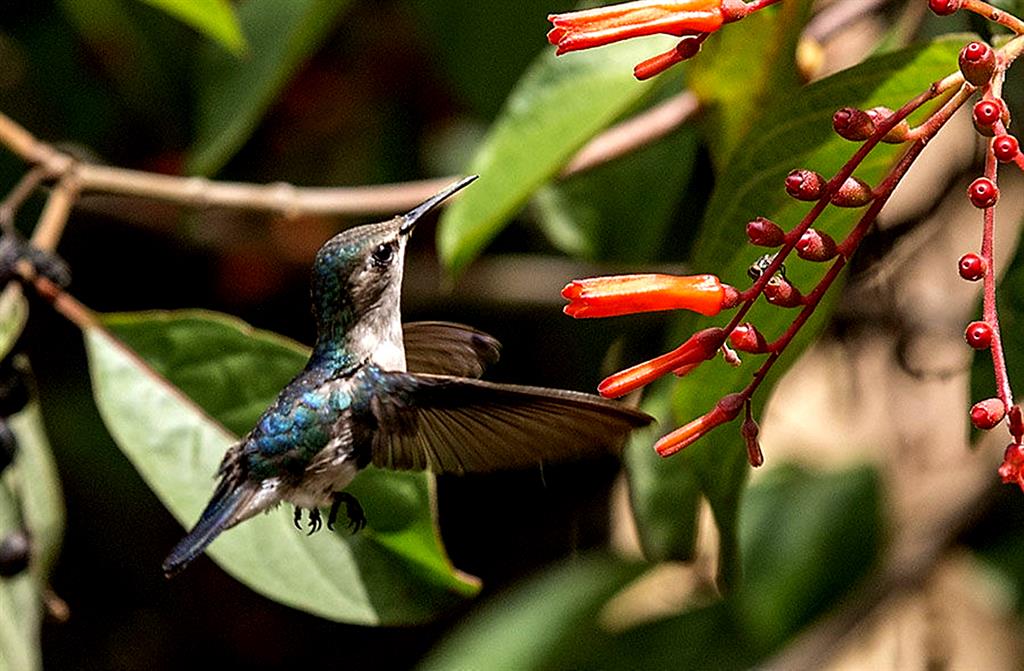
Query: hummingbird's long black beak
(412, 216)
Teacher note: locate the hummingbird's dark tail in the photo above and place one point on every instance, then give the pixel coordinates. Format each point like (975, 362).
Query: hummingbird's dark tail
(220, 513)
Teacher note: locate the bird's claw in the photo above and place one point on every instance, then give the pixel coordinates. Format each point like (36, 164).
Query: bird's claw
(314, 521)
(354, 512)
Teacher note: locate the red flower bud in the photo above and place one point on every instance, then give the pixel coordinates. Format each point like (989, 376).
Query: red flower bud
(1006, 148)
(972, 267)
(1016, 422)
(629, 294)
(854, 192)
(1013, 460)
(899, 133)
(978, 335)
(746, 338)
(944, 7)
(749, 431)
(983, 193)
(977, 62)
(726, 410)
(816, 246)
(765, 233)
(701, 346)
(853, 124)
(687, 48)
(804, 184)
(778, 291)
(988, 413)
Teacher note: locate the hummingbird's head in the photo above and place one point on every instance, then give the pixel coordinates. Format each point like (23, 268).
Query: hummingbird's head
(357, 274)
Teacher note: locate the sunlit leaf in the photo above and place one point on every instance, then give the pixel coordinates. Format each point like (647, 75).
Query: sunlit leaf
(13, 315)
(558, 105)
(795, 133)
(147, 382)
(233, 94)
(214, 18)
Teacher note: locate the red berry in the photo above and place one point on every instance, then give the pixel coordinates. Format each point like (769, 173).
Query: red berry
(804, 184)
(972, 267)
(988, 413)
(978, 335)
(977, 63)
(1006, 148)
(983, 192)
(987, 113)
(944, 7)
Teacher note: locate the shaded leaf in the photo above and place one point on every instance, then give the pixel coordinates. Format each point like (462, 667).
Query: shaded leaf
(558, 105)
(810, 540)
(618, 211)
(795, 133)
(395, 571)
(542, 624)
(214, 18)
(30, 498)
(745, 68)
(233, 95)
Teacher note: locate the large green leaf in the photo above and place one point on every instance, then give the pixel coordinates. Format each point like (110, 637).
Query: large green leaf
(233, 95)
(795, 133)
(214, 18)
(809, 540)
(558, 105)
(167, 384)
(30, 498)
(13, 316)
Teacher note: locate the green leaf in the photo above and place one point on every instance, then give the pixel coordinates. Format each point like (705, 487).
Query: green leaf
(167, 389)
(810, 540)
(214, 18)
(30, 498)
(538, 625)
(558, 106)
(233, 95)
(795, 133)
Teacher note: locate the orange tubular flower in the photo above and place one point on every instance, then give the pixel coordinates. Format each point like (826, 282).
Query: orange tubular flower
(604, 25)
(726, 410)
(628, 294)
(701, 346)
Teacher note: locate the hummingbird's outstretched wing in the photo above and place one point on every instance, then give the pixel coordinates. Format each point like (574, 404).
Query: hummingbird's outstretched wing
(457, 425)
(447, 348)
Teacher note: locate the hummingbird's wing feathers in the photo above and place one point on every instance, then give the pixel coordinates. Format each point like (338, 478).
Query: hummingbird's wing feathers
(456, 425)
(446, 348)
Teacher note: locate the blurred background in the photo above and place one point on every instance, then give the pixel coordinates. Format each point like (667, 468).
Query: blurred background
(389, 91)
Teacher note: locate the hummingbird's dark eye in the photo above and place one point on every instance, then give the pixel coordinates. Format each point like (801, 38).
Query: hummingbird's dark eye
(383, 254)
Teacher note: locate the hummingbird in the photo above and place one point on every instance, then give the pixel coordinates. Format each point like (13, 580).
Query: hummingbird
(375, 391)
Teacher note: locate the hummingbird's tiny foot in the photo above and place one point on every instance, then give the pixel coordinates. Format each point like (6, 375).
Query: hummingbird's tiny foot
(298, 518)
(354, 511)
(314, 521)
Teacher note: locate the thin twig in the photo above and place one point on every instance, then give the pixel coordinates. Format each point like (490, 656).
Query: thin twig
(289, 200)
